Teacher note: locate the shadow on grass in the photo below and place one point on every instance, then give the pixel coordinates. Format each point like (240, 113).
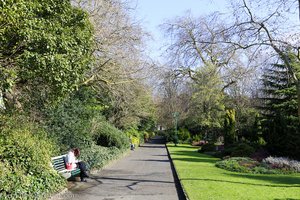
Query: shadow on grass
(191, 156)
(276, 179)
(237, 182)
(186, 153)
(185, 146)
(203, 160)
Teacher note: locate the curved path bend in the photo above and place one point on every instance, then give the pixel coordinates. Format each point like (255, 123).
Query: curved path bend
(144, 174)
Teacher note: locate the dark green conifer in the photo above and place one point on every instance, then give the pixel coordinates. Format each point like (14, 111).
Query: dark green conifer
(279, 112)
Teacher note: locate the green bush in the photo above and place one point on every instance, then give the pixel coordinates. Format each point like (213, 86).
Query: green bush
(209, 147)
(109, 136)
(146, 135)
(133, 132)
(152, 134)
(77, 122)
(137, 136)
(239, 150)
(232, 164)
(246, 165)
(96, 157)
(70, 124)
(184, 134)
(167, 134)
(196, 138)
(264, 170)
(25, 155)
(134, 140)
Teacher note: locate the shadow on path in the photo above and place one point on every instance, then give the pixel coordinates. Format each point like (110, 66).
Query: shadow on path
(161, 140)
(129, 179)
(146, 173)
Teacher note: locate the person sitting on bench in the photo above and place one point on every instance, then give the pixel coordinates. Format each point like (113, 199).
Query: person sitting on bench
(73, 163)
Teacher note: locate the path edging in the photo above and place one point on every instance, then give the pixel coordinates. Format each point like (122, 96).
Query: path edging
(176, 174)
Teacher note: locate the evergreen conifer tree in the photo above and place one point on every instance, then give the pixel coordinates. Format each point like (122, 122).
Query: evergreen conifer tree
(229, 127)
(280, 124)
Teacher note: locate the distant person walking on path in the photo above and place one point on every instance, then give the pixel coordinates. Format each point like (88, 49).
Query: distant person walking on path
(132, 147)
(73, 163)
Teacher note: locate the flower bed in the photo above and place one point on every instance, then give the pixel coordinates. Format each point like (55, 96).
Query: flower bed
(270, 165)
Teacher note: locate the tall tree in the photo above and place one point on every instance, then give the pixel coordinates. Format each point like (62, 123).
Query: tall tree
(207, 102)
(121, 67)
(119, 39)
(280, 124)
(268, 30)
(169, 102)
(45, 49)
(194, 45)
(229, 127)
(210, 67)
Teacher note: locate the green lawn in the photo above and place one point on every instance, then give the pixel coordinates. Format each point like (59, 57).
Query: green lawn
(202, 180)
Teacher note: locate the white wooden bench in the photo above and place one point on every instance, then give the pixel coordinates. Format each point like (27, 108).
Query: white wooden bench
(59, 164)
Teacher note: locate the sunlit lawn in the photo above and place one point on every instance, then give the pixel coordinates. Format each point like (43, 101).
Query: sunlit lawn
(202, 180)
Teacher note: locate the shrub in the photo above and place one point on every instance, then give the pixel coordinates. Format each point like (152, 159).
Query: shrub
(229, 127)
(133, 132)
(260, 154)
(70, 124)
(264, 170)
(109, 136)
(196, 138)
(168, 134)
(209, 147)
(96, 157)
(282, 163)
(239, 150)
(146, 135)
(135, 141)
(137, 137)
(248, 165)
(25, 154)
(232, 164)
(183, 134)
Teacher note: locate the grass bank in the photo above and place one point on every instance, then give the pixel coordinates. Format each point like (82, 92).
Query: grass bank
(202, 180)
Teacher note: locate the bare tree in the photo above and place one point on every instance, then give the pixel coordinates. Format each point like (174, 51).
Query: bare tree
(256, 28)
(118, 42)
(195, 43)
(169, 102)
(272, 32)
(121, 66)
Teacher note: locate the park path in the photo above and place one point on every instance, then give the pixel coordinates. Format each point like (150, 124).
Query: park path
(144, 174)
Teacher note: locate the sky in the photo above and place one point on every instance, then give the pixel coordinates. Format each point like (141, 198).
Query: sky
(153, 13)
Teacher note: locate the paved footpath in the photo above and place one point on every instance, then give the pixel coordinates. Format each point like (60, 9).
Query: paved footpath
(144, 174)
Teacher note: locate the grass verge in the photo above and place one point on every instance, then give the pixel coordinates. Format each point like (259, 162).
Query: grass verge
(202, 180)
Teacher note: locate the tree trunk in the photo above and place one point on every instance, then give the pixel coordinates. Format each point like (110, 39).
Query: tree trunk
(298, 95)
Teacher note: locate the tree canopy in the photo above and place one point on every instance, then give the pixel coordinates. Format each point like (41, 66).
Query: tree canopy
(46, 46)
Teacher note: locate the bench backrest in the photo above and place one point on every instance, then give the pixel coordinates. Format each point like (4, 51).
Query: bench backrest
(58, 163)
